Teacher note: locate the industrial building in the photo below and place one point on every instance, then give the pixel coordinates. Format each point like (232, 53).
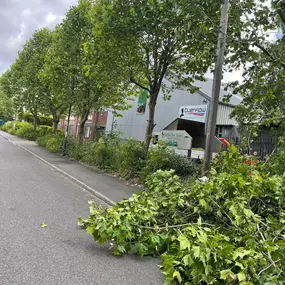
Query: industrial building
(184, 111)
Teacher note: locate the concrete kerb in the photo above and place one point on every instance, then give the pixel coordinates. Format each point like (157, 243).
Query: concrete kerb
(72, 178)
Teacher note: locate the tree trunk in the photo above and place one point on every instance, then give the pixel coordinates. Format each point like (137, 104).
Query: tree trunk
(84, 118)
(150, 124)
(55, 124)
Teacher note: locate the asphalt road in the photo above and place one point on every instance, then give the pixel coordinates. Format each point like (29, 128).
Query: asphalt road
(30, 194)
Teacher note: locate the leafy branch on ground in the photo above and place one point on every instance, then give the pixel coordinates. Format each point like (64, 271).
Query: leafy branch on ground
(229, 230)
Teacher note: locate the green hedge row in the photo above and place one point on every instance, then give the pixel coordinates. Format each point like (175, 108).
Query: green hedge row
(128, 160)
(42, 120)
(25, 130)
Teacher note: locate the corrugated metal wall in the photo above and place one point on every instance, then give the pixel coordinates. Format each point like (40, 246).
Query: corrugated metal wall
(224, 112)
(134, 125)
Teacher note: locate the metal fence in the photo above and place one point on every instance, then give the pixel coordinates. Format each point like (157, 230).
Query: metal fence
(262, 147)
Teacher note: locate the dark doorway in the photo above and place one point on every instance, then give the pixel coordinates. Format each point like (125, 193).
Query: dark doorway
(196, 130)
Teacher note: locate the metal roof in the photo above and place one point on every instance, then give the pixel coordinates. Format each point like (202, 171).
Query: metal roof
(206, 91)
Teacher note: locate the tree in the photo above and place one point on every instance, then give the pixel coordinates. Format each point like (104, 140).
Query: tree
(6, 107)
(12, 87)
(75, 67)
(262, 59)
(263, 92)
(157, 40)
(26, 71)
(66, 70)
(52, 76)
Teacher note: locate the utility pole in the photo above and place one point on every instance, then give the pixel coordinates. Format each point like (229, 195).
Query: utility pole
(211, 127)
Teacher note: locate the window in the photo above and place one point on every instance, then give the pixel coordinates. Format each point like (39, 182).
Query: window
(87, 131)
(219, 132)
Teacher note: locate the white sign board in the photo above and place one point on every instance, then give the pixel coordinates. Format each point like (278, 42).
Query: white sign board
(195, 113)
(178, 139)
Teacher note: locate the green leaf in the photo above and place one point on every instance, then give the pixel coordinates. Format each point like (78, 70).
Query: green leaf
(241, 276)
(141, 249)
(43, 225)
(90, 230)
(224, 274)
(176, 275)
(196, 251)
(184, 242)
(241, 253)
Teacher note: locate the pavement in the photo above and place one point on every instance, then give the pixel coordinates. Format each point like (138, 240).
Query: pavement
(33, 192)
(108, 188)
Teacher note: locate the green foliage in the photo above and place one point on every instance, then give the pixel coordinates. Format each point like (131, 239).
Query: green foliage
(6, 107)
(155, 40)
(262, 62)
(20, 129)
(105, 153)
(275, 164)
(43, 130)
(228, 230)
(129, 159)
(52, 142)
(232, 162)
(41, 120)
(79, 151)
(26, 131)
(6, 127)
(133, 158)
(164, 158)
(25, 73)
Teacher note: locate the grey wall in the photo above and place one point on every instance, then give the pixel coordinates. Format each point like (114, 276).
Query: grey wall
(134, 125)
(224, 113)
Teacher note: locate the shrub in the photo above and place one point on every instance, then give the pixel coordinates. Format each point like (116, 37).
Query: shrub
(42, 120)
(43, 131)
(105, 154)
(52, 142)
(25, 130)
(229, 230)
(6, 127)
(79, 151)
(21, 129)
(73, 148)
(164, 158)
(132, 158)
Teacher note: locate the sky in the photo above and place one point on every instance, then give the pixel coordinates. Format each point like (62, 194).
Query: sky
(20, 18)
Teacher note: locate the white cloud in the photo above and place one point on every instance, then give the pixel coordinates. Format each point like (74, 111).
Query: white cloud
(50, 18)
(19, 19)
(18, 39)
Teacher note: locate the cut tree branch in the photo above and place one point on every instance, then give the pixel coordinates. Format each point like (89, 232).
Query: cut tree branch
(176, 226)
(268, 266)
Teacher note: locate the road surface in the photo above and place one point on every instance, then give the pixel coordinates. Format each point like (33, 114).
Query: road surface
(31, 193)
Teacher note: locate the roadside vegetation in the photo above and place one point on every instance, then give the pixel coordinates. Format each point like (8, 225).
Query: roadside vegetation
(227, 229)
(126, 159)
